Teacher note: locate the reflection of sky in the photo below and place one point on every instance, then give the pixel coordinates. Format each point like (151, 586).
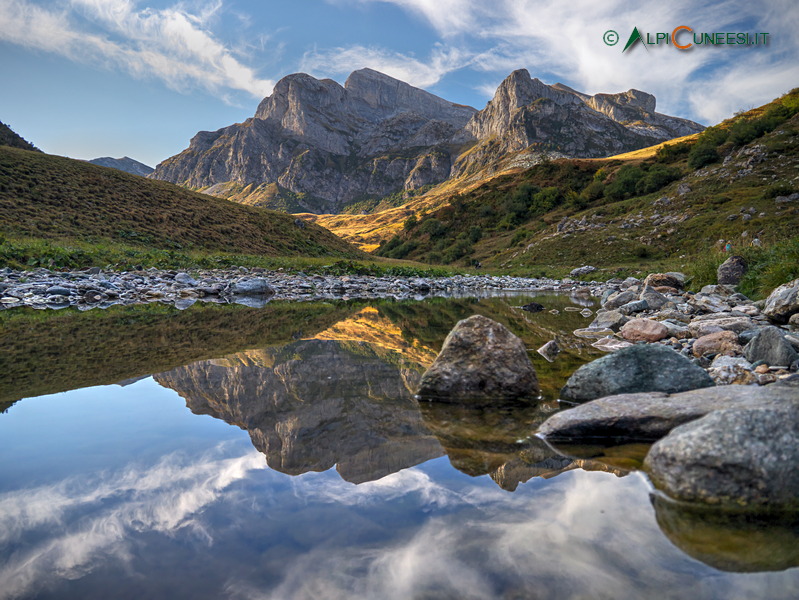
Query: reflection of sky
(150, 499)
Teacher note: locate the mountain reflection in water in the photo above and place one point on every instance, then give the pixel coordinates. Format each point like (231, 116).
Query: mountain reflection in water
(345, 398)
(120, 491)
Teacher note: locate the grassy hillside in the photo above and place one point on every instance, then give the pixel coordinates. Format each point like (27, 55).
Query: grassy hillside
(659, 207)
(9, 138)
(69, 203)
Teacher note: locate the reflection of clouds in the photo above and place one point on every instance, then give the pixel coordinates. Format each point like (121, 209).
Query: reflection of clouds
(391, 487)
(94, 516)
(584, 535)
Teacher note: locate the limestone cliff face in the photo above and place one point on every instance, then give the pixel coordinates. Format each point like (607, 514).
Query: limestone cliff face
(364, 420)
(528, 115)
(327, 144)
(322, 145)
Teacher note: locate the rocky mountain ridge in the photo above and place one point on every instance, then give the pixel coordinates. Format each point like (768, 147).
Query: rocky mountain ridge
(315, 146)
(127, 164)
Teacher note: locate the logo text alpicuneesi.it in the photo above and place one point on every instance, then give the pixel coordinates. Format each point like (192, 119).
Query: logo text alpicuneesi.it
(684, 38)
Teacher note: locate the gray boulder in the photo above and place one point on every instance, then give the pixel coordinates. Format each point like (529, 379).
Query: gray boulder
(783, 302)
(581, 271)
(744, 458)
(639, 368)
(480, 359)
(731, 271)
(654, 299)
(650, 416)
(617, 299)
(634, 307)
(253, 287)
(770, 346)
(608, 319)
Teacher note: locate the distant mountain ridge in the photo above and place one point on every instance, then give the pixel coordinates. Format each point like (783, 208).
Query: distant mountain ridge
(127, 164)
(316, 146)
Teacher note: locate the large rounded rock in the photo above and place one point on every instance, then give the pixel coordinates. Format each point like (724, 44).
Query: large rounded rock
(480, 359)
(770, 346)
(639, 368)
(731, 271)
(744, 458)
(650, 416)
(783, 302)
(644, 330)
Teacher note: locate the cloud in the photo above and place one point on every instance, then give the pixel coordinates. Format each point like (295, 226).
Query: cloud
(171, 44)
(91, 518)
(563, 41)
(420, 73)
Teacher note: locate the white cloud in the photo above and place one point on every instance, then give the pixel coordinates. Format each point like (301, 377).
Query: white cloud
(171, 44)
(420, 73)
(92, 520)
(565, 39)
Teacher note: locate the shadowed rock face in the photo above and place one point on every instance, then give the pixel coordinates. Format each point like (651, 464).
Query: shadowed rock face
(371, 137)
(314, 404)
(314, 145)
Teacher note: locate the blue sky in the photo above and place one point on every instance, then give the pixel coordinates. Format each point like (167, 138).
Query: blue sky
(88, 78)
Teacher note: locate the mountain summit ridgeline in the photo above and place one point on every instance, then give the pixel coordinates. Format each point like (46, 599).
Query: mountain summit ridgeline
(317, 146)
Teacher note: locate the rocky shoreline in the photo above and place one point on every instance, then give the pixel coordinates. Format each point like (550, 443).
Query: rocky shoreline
(94, 288)
(709, 378)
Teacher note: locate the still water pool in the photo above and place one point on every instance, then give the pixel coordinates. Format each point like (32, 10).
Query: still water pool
(226, 452)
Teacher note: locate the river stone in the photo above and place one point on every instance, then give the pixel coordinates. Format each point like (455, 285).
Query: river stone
(720, 342)
(664, 280)
(731, 458)
(702, 327)
(581, 271)
(783, 302)
(654, 299)
(617, 299)
(676, 329)
(608, 319)
(729, 370)
(771, 347)
(185, 279)
(253, 287)
(709, 303)
(731, 271)
(633, 307)
(639, 368)
(58, 290)
(650, 416)
(644, 330)
(480, 359)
